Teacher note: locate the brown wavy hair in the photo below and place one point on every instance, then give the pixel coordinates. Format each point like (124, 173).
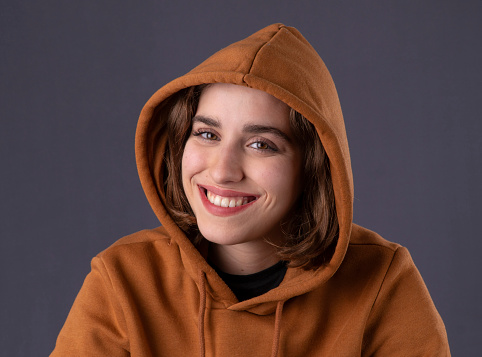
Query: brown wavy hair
(312, 228)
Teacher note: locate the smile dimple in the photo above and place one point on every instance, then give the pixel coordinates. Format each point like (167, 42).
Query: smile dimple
(228, 201)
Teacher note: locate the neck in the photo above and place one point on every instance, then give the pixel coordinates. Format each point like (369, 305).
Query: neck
(243, 259)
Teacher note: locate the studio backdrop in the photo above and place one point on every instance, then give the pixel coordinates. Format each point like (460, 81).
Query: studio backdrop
(75, 75)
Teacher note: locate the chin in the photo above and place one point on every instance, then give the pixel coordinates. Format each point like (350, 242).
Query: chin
(223, 236)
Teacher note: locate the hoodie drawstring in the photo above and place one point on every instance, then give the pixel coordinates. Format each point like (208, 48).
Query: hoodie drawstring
(202, 309)
(277, 329)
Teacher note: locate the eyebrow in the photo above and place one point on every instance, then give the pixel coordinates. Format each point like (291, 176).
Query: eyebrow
(261, 129)
(248, 128)
(208, 121)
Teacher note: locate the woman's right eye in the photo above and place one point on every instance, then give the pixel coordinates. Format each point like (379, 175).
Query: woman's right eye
(207, 135)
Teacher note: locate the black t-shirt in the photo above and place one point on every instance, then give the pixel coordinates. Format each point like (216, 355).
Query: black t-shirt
(248, 286)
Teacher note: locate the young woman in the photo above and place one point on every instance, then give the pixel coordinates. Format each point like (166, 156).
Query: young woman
(245, 162)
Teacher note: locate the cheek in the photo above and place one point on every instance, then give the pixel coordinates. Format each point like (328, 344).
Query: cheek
(282, 179)
(192, 162)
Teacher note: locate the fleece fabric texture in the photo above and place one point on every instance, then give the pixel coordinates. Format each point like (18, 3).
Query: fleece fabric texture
(153, 293)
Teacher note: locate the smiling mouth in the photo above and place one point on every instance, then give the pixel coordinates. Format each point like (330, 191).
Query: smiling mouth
(221, 201)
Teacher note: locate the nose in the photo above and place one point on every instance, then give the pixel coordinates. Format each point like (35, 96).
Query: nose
(226, 166)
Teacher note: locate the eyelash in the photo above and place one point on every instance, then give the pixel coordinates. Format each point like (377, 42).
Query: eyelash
(270, 147)
(202, 132)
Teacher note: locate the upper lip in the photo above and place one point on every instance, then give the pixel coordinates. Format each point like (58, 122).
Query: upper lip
(227, 193)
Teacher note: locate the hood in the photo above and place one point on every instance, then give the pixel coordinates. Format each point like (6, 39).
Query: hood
(280, 61)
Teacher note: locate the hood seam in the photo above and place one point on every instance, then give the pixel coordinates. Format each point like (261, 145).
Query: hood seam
(248, 72)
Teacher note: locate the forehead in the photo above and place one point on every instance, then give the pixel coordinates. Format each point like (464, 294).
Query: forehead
(238, 104)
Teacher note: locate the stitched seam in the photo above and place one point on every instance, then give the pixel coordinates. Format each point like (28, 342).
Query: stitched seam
(120, 305)
(374, 245)
(259, 50)
(383, 282)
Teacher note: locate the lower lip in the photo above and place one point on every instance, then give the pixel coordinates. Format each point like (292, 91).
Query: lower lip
(222, 211)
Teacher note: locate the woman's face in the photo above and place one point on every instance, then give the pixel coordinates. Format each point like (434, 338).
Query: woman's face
(241, 167)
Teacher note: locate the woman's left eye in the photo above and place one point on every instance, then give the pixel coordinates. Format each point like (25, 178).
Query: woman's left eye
(263, 146)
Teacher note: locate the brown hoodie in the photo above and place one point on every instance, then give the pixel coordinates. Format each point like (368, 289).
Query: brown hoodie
(153, 294)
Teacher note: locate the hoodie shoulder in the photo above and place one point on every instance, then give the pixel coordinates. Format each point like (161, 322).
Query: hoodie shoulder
(375, 254)
(362, 236)
(142, 238)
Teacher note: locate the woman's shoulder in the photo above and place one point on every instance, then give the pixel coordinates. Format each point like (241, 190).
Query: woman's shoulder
(361, 236)
(375, 254)
(146, 236)
(140, 245)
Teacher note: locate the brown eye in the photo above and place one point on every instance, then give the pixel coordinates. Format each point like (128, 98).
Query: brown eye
(206, 135)
(209, 136)
(262, 146)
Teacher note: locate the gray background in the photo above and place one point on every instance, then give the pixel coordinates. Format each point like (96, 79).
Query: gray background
(74, 76)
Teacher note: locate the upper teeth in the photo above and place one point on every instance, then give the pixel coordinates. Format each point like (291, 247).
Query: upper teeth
(226, 201)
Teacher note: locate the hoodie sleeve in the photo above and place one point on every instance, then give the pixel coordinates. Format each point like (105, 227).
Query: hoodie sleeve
(95, 325)
(404, 320)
